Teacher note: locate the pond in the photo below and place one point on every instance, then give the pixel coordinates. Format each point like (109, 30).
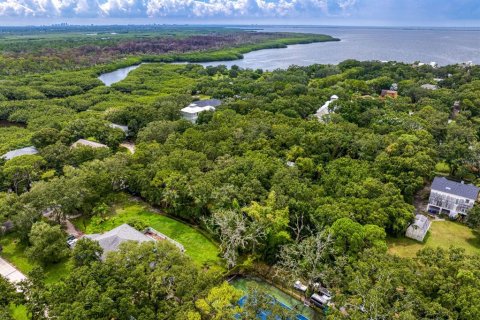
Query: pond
(285, 299)
(118, 75)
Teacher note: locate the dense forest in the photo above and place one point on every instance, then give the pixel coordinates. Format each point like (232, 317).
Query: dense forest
(261, 176)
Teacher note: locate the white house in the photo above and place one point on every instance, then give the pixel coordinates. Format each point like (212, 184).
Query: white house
(419, 228)
(323, 110)
(192, 111)
(451, 197)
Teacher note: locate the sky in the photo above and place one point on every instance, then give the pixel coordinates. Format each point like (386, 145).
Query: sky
(459, 13)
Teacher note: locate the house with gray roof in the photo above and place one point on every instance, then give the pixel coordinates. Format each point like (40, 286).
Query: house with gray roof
(451, 197)
(419, 228)
(192, 111)
(111, 240)
(20, 152)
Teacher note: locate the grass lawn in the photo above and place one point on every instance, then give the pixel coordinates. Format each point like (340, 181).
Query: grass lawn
(197, 246)
(14, 252)
(441, 234)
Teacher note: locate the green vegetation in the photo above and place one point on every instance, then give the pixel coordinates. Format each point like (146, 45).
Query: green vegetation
(310, 199)
(442, 234)
(197, 246)
(14, 252)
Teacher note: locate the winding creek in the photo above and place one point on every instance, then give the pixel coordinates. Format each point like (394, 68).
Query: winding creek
(118, 75)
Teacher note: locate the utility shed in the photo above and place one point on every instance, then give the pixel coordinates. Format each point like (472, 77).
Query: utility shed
(20, 152)
(418, 229)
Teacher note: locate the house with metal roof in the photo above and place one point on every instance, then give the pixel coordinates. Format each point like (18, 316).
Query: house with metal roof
(88, 143)
(451, 197)
(192, 111)
(419, 228)
(20, 152)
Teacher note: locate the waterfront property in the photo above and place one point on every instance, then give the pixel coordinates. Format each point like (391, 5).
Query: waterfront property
(419, 228)
(451, 197)
(192, 111)
(20, 152)
(88, 143)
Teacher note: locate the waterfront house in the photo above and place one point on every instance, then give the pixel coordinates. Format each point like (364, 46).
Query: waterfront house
(88, 143)
(419, 228)
(192, 111)
(451, 197)
(20, 152)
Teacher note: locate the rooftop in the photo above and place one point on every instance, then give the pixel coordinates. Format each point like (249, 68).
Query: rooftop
(111, 240)
(88, 143)
(421, 222)
(202, 105)
(460, 189)
(119, 126)
(20, 152)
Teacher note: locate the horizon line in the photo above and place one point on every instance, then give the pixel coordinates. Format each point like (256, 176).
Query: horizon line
(86, 24)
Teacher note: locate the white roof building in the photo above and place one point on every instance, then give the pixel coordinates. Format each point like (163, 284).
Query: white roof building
(20, 152)
(192, 111)
(88, 143)
(324, 110)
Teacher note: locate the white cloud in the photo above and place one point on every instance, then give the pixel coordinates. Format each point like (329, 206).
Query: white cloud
(171, 8)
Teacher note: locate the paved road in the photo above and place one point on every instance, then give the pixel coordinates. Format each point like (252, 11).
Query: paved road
(10, 272)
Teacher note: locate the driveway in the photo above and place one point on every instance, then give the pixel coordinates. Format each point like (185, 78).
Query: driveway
(10, 272)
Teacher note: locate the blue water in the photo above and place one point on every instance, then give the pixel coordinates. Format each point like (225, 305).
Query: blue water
(441, 45)
(115, 76)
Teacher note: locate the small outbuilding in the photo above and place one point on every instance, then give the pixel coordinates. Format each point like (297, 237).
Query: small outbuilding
(88, 143)
(192, 111)
(419, 228)
(20, 152)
